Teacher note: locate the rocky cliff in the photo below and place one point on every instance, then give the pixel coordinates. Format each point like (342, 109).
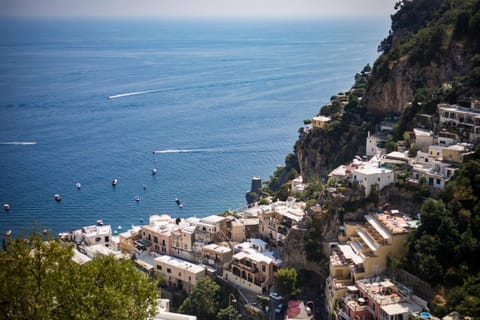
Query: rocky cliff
(431, 43)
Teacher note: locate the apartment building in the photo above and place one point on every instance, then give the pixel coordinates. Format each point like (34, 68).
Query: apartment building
(460, 120)
(276, 220)
(158, 233)
(242, 229)
(364, 253)
(178, 273)
(379, 298)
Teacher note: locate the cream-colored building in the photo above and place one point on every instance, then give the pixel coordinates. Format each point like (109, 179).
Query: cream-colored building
(178, 273)
(159, 233)
(242, 229)
(250, 270)
(211, 229)
(183, 239)
(276, 220)
(127, 239)
(216, 255)
(320, 121)
(364, 254)
(423, 138)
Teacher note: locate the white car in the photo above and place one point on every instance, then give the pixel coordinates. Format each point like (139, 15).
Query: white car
(276, 296)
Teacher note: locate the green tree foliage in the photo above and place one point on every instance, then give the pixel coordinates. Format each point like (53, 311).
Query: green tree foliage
(466, 298)
(203, 301)
(287, 281)
(229, 313)
(38, 280)
(445, 248)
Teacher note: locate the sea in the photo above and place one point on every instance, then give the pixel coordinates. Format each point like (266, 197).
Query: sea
(209, 103)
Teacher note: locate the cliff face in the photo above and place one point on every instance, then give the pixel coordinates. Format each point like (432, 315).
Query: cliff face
(431, 42)
(320, 151)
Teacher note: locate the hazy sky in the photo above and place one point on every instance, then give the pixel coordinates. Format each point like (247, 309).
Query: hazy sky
(197, 8)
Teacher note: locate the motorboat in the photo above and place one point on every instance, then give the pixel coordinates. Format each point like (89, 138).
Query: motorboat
(137, 198)
(154, 169)
(78, 185)
(177, 201)
(180, 205)
(99, 222)
(57, 197)
(144, 186)
(6, 206)
(114, 182)
(8, 233)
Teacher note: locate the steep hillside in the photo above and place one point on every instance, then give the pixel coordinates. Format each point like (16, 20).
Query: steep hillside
(432, 42)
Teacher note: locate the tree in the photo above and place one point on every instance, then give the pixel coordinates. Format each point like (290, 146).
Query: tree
(229, 313)
(203, 301)
(38, 280)
(287, 281)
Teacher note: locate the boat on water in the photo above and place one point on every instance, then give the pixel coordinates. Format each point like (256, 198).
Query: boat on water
(57, 197)
(99, 222)
(78, 185)
(178, 201)
(8, 233)
(114, 182)
(154, 169)
(180, 205)
(137, 198)
(6, 206)
(144, 186)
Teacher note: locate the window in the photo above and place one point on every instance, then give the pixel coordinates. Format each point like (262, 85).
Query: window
(98, 239)
(107, 239)
(438, 181)
(155, 239)
(159, 267)
(264, 268)
(163, 242)
(179, 274)
(169, 270)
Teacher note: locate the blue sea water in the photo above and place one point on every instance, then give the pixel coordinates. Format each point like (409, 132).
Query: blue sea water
(221, 100)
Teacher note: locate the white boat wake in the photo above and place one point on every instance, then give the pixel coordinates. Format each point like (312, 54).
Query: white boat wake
(135, 93)
(185, 150)
(19, 143)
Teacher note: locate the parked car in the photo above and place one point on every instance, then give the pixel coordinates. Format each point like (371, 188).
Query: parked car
(275, 296)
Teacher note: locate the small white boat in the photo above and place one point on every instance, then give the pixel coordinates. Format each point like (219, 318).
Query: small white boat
(137, 198)
(8, 233)
(78, 185)
(114, 182)
(144, 186)
(119, 227)
(177, 201)
(57, 197)
(6, 206)
(99, 222)
(180, 205)
(154, 169)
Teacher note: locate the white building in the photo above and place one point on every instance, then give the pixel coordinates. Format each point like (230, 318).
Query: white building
(369, 176)
(94, 234)
(375, 145)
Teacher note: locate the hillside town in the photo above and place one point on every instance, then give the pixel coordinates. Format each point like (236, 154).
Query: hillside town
(244, 248)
